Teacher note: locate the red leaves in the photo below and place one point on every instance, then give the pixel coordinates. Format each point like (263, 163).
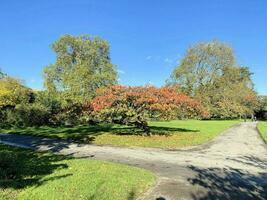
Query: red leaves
(165, 100)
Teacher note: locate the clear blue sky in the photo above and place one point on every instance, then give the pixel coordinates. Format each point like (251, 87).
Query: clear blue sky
(147, 38)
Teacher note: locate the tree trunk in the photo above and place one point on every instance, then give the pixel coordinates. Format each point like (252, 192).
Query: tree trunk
(144, 126)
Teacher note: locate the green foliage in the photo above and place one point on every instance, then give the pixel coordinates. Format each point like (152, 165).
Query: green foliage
(2, 117)
(45, 109)
(49, 101)
(70, 114)
(202, 65)
(210, 73)
(82, 65)
(263, 100)
(24, 115)
(13, 92)
(16, 103)
(262, 112)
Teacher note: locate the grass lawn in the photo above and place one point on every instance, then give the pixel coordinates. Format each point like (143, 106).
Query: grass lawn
(46, 176)
(171, 134)
(262, 127)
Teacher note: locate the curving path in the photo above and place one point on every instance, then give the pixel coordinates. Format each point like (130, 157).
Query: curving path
(232, 166)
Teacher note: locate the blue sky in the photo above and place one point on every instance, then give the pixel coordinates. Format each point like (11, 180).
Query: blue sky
(147, 38)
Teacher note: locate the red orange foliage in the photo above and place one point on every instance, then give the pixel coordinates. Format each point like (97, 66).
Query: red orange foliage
(136, 105)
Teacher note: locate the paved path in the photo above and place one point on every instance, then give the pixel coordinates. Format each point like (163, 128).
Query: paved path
(233, 166)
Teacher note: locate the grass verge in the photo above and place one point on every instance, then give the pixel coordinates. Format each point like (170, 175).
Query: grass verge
(41, 176)
(262, 127)
(171, 134)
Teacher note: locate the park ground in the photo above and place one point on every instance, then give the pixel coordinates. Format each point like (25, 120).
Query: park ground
(171, 134)
(36, 176)
(232, 166)
(262, 127)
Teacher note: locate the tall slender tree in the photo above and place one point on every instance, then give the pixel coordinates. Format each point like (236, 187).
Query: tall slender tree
(82, 65)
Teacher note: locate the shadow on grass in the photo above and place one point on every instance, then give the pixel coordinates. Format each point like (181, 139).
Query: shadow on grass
(229, 184)
(87, 134)
(23, 168)
(155, 130)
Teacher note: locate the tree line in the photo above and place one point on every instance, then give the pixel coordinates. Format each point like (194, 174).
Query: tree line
(81, 88)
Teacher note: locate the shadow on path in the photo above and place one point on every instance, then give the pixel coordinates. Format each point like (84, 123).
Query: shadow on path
(229, 184)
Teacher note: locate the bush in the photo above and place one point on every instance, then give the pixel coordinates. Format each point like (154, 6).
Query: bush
(9, 168)
(136, 105)
(25, 115)
(2, 117)
(69, 115)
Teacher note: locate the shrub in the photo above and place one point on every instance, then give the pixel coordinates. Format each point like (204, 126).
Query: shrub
(13, 92)
(136, 105)
(2, 117)
(24, 115)
(69, 115)
(49, 101)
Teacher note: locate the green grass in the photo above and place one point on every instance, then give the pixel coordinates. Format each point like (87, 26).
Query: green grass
(47, 176)
(171, 134)
(262, 127)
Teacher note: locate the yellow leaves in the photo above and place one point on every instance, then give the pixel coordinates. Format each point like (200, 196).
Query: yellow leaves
(12, 92)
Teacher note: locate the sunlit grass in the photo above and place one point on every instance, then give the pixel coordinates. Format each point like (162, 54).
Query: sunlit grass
(171, 134)
(262, 127)
(42, 176)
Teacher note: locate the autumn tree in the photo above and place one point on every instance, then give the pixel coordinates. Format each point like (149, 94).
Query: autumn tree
(136, 105)
(209, 72)
(82, 65)
(13, 92)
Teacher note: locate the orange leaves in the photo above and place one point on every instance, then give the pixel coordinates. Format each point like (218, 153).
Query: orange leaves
(165, 100)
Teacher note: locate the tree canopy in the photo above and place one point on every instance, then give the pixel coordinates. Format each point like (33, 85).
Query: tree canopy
(81, 87)
(13, 92)
(209, 72)
(2, 74)
(136, 105)
(82, 65)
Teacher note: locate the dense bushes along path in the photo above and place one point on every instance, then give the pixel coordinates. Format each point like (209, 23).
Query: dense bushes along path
(233, 166)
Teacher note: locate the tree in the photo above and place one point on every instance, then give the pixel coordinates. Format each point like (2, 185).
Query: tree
(2, 74)
(262, 111)
(82, 65)
(136, 105)
(13, 92)
(210, 73)
(202, 65)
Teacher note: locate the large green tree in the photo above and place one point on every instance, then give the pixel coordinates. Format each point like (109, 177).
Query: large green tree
(82, 65)
(209, 72)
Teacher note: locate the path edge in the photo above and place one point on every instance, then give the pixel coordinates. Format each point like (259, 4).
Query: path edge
(260, 135)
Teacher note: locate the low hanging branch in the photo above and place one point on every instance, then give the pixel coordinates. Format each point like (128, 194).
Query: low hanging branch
(136, 105)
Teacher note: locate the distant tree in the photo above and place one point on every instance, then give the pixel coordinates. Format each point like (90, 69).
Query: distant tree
(263, 101)
(2, 74)
(136, 105)
(82, 65)
(13, 92)
(262, 111)
(210, 73)
(201, 66)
